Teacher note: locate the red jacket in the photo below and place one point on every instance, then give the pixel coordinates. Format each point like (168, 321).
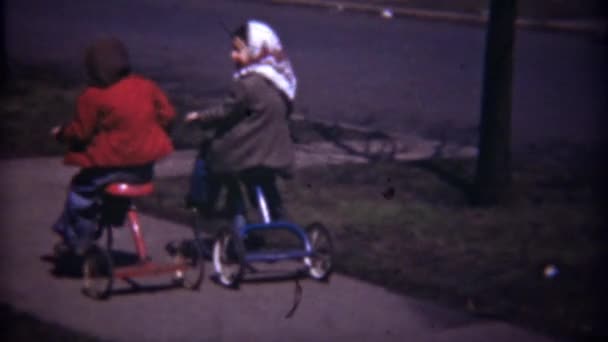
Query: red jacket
(122, 125)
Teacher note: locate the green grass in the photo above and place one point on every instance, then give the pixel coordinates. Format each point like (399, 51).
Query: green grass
(428, 241)
(30, 108)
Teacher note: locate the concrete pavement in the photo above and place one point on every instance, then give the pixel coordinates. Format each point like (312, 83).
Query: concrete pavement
(343, 310)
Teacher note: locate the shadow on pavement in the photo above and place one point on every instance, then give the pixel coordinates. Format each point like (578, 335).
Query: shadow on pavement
(70, 266)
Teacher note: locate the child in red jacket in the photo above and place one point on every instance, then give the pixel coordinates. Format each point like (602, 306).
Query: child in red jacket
(119, 130)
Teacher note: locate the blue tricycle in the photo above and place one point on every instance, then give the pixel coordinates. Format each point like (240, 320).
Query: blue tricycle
(232, 258)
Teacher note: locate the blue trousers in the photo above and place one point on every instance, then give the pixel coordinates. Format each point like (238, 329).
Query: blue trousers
(205, 188)
(84, 203)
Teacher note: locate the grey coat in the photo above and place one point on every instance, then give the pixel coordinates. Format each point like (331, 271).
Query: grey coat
(252, 128)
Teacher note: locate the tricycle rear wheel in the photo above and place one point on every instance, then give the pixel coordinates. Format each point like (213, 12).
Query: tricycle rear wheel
(320, 264)
(98, 273)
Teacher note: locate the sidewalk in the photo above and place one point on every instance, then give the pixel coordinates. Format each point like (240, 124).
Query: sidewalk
(343, 310)
(390, 9)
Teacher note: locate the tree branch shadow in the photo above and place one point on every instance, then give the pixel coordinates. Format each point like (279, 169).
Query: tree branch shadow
(337, 136)
(388, 150)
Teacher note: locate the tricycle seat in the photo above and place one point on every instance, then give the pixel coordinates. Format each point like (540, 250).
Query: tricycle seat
(129, 190)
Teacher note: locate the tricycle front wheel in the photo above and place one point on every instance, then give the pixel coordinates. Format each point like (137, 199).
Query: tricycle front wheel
(320, 264)
(228, 258)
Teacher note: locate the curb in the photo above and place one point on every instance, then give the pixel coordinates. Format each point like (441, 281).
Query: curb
(595, 27)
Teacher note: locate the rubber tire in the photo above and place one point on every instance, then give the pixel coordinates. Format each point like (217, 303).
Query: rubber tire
(190, 250)
(93, 258)
(316, 271)
(219, 254)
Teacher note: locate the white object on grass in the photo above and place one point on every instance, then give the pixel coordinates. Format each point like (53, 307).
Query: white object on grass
(550, 271)
(386, 13)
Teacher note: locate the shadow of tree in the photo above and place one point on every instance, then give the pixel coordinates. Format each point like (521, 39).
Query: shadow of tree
(378, 146)
(70, 265)
(375, 145)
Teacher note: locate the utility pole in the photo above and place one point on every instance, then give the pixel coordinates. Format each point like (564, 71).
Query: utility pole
(493, 175)
(3, 52)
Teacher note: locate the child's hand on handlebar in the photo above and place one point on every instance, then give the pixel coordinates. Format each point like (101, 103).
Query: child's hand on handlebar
(55, 131)
(192, 116)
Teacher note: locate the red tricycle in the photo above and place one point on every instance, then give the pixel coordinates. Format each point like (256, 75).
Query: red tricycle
(185, 262)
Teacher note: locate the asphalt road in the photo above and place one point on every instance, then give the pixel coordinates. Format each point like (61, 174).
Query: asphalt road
(401, 75)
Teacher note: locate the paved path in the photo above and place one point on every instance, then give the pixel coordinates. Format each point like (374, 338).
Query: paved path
(343, 310)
